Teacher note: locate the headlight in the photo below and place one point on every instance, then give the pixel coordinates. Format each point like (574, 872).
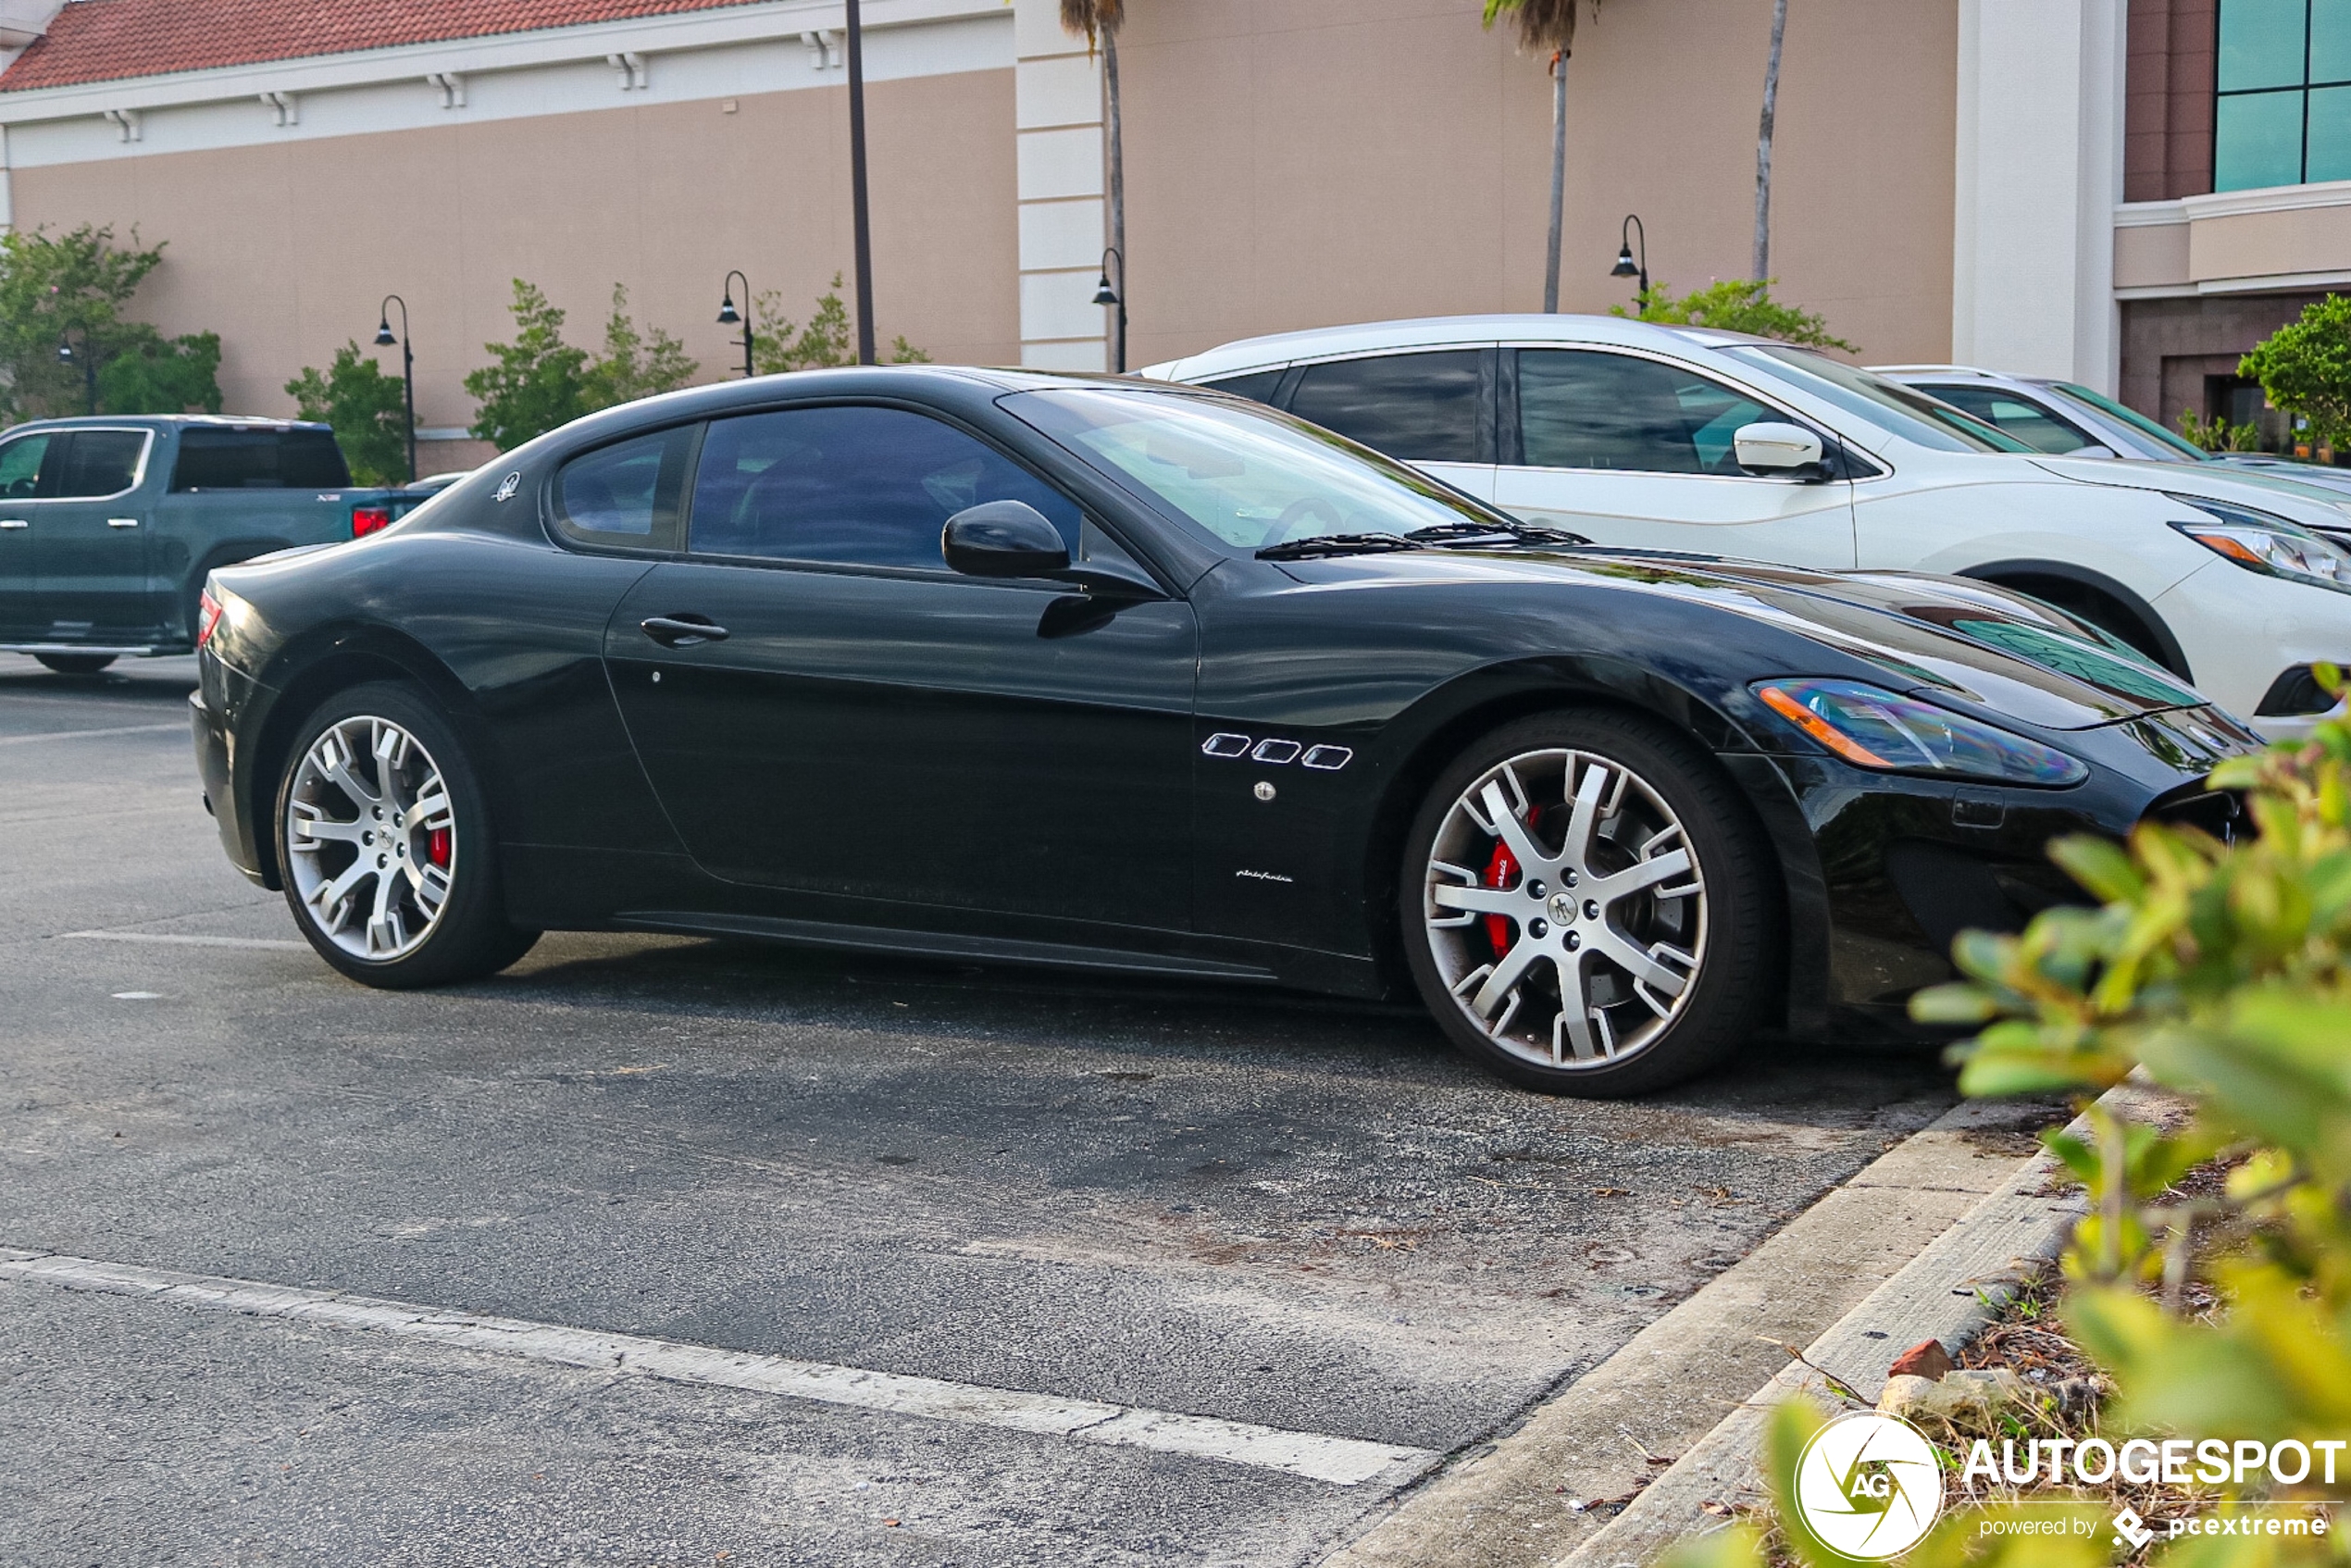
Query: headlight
(2260, 543)
(1872, 728)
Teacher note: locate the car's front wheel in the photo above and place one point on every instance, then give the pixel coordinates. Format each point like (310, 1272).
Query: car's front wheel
(1586, 907)
(384, 837)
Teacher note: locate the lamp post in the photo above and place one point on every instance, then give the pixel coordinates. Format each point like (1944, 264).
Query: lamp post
(728, 316)
(863, 228)
(407, 366)
(1105, 294)
(1627, 268)
(87, 360)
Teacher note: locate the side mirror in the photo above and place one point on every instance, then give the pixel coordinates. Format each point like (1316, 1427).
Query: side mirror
(1003, 539)
(1772, 448)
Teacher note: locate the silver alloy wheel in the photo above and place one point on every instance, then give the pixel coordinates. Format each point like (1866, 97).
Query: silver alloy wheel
(371, 840)
(1565, 909)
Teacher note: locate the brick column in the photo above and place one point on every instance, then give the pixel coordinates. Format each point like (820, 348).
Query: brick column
(1058, 89)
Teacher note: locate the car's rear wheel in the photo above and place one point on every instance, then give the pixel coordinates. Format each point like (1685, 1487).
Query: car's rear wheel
(76, 663)
(1588, 907)
(384, 837)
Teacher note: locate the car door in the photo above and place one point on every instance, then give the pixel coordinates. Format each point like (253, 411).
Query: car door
(1636, 451)
(863, 723)
(1432, 409)
(21, 461)
(89, 543)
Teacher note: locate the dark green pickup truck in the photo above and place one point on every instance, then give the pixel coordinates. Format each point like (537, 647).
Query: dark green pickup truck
(108, 525)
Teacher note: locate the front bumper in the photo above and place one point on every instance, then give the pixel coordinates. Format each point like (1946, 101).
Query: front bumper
(2240, 630)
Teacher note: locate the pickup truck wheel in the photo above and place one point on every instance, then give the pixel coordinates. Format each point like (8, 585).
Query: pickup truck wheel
(76, 663)
(384, 832)
(1587, 906)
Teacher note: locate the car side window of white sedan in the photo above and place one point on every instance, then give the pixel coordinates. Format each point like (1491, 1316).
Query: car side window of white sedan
(1581, 408)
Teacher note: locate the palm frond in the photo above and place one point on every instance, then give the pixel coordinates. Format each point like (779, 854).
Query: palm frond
(1543, 25)
(1092, 17)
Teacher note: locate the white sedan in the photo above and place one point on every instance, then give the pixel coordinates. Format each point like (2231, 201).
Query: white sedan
(1718, 443)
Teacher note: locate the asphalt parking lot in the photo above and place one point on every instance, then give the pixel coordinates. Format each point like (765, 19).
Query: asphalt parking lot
(1263, 1208)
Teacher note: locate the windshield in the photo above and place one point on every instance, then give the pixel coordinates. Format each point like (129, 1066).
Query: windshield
(1899, 410)
(2171, 440)
(1244, 475)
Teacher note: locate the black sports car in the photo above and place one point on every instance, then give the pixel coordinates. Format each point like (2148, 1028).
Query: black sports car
(1074, 671)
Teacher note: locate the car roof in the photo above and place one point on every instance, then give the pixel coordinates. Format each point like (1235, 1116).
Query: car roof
(1435, 331)
(161, 421)
(1958, 373)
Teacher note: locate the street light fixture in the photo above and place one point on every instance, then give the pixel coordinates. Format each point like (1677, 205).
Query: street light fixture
(407, 366)
(89, 362)
(729, 317)
(1105, 294)
(1626, 267)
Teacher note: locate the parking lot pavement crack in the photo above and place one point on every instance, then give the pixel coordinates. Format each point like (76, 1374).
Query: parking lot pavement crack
(1334, 1461)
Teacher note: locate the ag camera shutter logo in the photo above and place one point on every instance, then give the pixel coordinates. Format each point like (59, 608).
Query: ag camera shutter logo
(1868, 1486)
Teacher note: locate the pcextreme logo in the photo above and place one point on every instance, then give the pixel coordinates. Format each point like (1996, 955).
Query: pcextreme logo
(1868, 1486)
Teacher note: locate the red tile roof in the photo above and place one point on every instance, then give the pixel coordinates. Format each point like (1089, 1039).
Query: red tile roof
(105, 40)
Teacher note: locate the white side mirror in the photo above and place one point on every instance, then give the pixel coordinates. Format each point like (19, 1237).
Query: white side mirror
(1772, 448)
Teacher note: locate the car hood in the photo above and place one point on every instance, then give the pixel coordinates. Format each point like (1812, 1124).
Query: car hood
(2282, 496)
(1963, 644)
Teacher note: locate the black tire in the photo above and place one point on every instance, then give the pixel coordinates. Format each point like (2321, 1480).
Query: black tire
(76, 663)
(466, 934)
(1731, 920)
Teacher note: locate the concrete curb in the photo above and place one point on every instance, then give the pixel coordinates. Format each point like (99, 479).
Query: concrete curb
(1521, 1501)
(1949, 1291)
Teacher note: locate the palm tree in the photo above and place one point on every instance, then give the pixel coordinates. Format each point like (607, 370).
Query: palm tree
(1763, 146)
(1100, 21)
(1545, 25)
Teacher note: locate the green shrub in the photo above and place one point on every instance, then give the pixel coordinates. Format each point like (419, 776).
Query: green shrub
(367, 409)
(2305, 368)
(781, 346)
(73, 288)
(1740, 305)
(2217, 435)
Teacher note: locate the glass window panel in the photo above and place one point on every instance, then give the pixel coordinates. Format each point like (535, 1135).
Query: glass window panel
(2330, 41)
(1422, 407)
(2035, 428)
(867, 486)
(2256, 141)
(1578, 409)
(1258, 386)
(102, 462)
(21, 467)
(2260, 43)
(612, 491)
(2330, 156)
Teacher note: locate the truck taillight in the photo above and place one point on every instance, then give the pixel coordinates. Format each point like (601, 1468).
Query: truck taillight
(207, 616)
(366, 520)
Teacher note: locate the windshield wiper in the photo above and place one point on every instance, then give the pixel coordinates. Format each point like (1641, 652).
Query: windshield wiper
(1517, 534)
(1339, 545)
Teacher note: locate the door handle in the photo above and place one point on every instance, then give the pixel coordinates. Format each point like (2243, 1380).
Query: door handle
(122, 522)
(682, 631)
(14, 523)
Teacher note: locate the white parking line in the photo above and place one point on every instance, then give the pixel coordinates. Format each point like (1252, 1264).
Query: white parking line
(1342, 1461)
(270, 942)
(85, 734)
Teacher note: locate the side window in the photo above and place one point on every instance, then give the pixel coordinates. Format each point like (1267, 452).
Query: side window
(1578, 409)
(1421, 407)
(2036, 428)
(213, 458)
(1258, 386)
(871, 487)
(626, 495)
(101, 462)
(20, 467)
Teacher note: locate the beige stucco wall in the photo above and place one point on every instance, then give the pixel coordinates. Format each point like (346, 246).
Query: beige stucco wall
(1295, 163)
(285, 250)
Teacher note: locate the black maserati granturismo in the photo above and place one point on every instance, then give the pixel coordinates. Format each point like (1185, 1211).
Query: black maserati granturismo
(1073, 671)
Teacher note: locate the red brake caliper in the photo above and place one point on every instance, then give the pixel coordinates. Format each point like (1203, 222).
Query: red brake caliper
(1500, 872)
(437, 846)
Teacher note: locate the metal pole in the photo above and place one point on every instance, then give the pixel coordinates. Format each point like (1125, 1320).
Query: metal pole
(1558, 181)
(90, 370)
(864, 229)
(408, 387)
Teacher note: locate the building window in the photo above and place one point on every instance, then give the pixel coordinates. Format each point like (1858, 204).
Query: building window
(2284, 115)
